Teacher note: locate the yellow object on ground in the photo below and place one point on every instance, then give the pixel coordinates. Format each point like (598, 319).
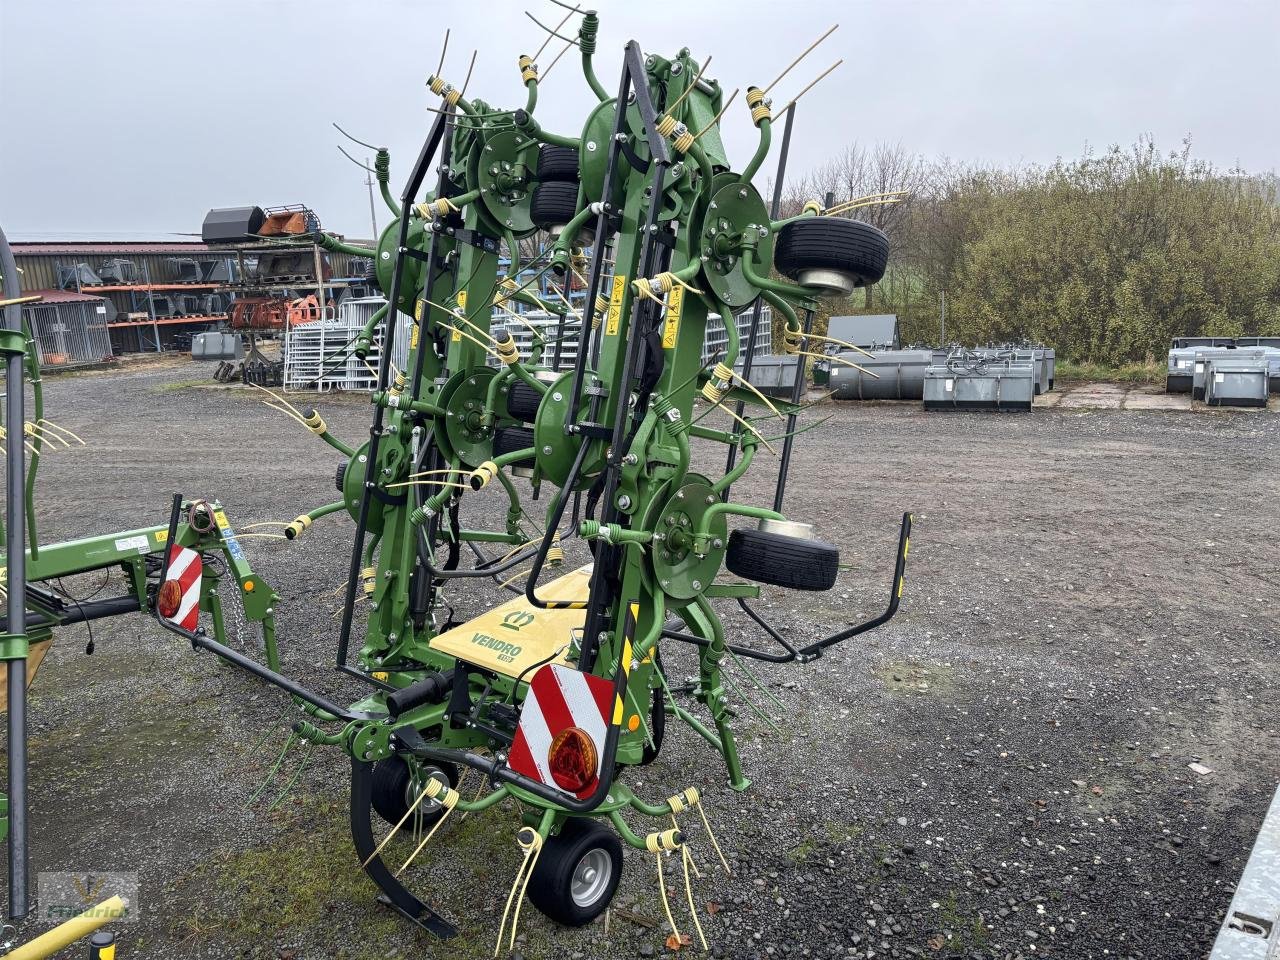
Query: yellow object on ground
(514, 636)
(47, 944)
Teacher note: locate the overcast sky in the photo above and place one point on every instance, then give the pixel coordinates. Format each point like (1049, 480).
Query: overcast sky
(131, 118)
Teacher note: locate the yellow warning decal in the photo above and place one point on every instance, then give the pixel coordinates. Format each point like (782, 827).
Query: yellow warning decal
(221, 518)
(418, 309)
(413, 337)
(161, 536)
(675, 305)
(615, 306)
(462, 305)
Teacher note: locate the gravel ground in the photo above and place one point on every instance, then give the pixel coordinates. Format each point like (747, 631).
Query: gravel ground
(1002, 771)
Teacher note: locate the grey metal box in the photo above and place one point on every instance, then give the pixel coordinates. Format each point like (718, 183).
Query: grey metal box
(974, 382)
(217, 346)
(1236, 381)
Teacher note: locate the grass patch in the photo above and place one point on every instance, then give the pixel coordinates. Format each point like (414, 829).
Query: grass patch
(177, 385)
(802, 851)
(965, 931)
(1066, 371)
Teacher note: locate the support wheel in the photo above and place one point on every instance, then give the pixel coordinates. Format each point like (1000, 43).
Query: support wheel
(782, 561)
(554, 204)
(577, 872)
(523, 402)
(394, 789)
(557, 163)
(510, 439)
(831, 252)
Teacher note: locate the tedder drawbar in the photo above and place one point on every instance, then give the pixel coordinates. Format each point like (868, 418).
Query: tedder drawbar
(554, 695)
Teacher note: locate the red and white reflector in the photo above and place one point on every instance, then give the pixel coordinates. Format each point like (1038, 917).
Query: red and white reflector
(560, 739)
(180, 603)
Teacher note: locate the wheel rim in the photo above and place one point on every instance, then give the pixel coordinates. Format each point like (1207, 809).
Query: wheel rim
(591, 877)
(414, 787)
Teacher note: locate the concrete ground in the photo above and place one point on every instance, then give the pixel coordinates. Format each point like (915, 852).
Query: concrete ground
(1062, 746)
(1122, 396)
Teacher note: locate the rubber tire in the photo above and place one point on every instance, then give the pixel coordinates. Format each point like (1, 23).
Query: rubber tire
(391, 779)
(554, 204)
(340, 478)
(523, 402)
(557, 164)
(781, 560)
(510, 439)
(832, 243)
(551, 884)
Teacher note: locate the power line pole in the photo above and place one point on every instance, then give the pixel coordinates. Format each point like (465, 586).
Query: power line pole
(368, 182)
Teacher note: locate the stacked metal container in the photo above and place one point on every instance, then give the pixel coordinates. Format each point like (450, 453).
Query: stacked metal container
(1236, 378)
(968, 380)
(1263, 361)
(1184, 375)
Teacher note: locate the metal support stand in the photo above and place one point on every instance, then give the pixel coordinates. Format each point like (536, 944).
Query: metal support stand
(15, 640)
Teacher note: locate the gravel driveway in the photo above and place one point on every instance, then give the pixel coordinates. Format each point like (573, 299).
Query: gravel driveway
(1002, 771)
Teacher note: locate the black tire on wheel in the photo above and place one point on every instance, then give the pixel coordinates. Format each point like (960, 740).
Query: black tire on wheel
(523, 402)
(393, 791)
(832, 243)
(510, 439)
(553, 204)
(782, 561)
(340, 478)
(577, 872)
(557, 164)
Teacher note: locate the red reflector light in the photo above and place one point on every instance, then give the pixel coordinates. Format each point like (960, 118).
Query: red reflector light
(169, 598)
(572, 759)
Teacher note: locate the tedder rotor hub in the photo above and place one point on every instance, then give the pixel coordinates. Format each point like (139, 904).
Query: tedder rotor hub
(682, 573)
(735, 209)
(502, 170)
(385, 261)
(555, 450)
(464, 398)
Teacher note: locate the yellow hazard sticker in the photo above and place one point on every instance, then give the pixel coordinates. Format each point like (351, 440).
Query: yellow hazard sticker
(413, 337)
(675, 306)
(419, 309)
(462, 305)
(161, 536)
(615, 306)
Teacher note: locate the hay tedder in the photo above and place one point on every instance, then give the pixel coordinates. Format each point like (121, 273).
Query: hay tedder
(555, 694)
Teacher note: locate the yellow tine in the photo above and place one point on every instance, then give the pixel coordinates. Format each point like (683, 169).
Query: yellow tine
(809, 50)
